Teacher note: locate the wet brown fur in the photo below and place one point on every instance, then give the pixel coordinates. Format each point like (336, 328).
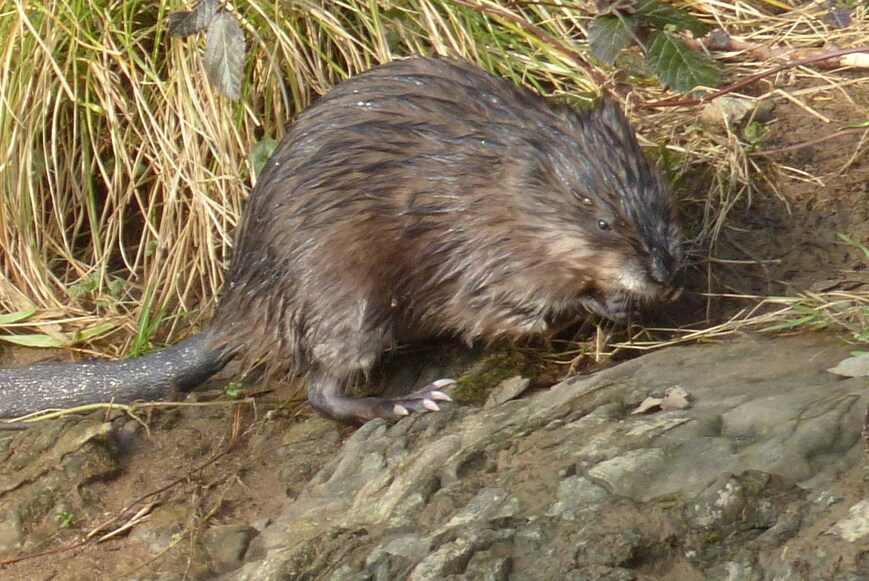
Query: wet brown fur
(426, 197)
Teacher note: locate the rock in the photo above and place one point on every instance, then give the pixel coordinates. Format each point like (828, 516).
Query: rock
(732, 110)
(855, 526)
(507, 390)
(763, 477)
(226, 545)
(11, 532)
(488, 566)
(162, 527)
(576, 496)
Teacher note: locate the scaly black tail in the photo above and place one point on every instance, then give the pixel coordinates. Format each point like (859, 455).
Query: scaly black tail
(154, 376)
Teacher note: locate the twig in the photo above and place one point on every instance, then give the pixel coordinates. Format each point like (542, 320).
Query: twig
(809, 143)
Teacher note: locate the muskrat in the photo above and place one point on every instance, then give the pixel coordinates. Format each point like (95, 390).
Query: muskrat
(422, 197)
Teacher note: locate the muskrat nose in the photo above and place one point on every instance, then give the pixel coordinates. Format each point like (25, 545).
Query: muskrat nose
(663, 267)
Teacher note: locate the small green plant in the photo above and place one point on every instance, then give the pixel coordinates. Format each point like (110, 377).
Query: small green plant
(655, 27)
(234, 390)
(85, 287)
(851, 242)
(262, 151)
(89, 286)
(148, 326)
(754, 134)
(65, 519)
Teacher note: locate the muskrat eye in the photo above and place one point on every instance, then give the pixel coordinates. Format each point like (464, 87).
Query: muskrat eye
(603, 225)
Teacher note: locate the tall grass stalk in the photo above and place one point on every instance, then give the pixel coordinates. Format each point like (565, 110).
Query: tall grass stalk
(119, 162)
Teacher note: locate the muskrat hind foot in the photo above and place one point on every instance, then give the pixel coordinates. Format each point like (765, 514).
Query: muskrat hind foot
(420, 401)
(326, 395)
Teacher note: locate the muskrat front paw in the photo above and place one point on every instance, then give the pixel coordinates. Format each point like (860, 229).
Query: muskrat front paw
(615, 307)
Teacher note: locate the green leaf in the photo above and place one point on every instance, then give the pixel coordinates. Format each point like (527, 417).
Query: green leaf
(755, 132)
(33, 340)
(789, 324)
(660, 15)
(851, 242)
(262, 151)
(224, 54)
(678, 65)
(10, 318)
(117, 287)
(85, 286)
(234, 390)
(609, 35)
(806, 310)
(95, 331)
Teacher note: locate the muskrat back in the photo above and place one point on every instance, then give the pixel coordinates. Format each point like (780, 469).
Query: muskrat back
(422, 197)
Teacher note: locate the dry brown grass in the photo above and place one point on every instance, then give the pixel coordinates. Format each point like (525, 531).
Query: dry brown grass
(123, 173)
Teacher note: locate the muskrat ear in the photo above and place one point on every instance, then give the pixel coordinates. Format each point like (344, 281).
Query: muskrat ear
(611, 110)
(610, 113)
(608, 102)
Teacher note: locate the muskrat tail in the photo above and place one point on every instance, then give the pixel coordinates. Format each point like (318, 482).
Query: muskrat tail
(154, 376)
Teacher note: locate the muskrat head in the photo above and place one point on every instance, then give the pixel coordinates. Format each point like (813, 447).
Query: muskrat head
(616, 226)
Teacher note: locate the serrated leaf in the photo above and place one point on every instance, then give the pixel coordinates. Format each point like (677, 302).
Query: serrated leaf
(10, 318)
(224, 54)
(261, 153)
(659, 15)
(678, 65)
(183, 24)
(609, 35)
(33, 340)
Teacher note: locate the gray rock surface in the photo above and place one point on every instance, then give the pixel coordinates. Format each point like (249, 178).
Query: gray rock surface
(763, 477)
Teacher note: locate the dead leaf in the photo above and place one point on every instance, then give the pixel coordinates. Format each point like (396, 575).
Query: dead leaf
(857, 366)
(675, 398)
(647, 404)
